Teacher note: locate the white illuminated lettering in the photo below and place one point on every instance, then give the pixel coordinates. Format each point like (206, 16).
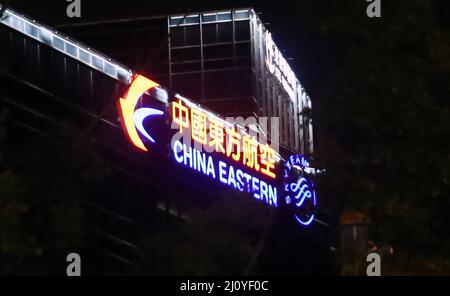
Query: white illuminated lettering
(177, 148)
(263, 191)
(210, 170)
(231, 179)
(255, 188)
(228, 175)
(201, 162)
(222, 172)
(273, 196)
(240, 183)
(194, 158)
(247, 179)
(187, 154)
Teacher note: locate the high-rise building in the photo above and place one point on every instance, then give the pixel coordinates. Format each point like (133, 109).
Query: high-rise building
(226, 60)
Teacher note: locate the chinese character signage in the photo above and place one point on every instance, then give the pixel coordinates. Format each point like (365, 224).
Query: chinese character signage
(209, 146)
(244, 164)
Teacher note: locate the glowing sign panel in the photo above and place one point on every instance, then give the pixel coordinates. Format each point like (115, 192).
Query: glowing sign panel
(207, 129)
(127, 106)
(224, 139)
(299, 189)
(231, 156)
(140, 115)
(279, 67)
(226, 174)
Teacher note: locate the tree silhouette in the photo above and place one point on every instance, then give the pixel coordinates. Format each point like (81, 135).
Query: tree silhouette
(41, 220)
(385, 119)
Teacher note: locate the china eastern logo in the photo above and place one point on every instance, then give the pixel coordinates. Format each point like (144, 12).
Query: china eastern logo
(132, 118)
(219, 150)
(300, 195)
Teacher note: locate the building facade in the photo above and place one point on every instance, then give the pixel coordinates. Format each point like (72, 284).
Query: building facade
(50, 81)
(225, 60)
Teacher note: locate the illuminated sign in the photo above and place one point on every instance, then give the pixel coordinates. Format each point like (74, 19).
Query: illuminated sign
(140, 115)
(299, 189)
(223, 137)
(226, 173)
(243, 155)
(216, 149)
(279, 67)
(127, 108)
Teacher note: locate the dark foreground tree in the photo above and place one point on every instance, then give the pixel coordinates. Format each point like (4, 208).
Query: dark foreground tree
(41, 220)
(386, 124)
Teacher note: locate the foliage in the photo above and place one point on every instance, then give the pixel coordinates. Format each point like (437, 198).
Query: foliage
(41, 220)
(386, 124)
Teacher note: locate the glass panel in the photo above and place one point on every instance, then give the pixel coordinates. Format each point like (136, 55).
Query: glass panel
(97, 62)
(244, 82)
(219, 84)
(192, 19)
(242, 30)
(31, 30)
(188, 85)
(208, 17)
(110, 69)
(209, 33)
(84, 56)
(45, 36)
(219, 64)
(17, 23)
(185, 54)
(241, 14)
(186, 67)
(225, 32)
(192, 35)
(177, 36)
(176, 20)
(218, 51)
(224, 16)
(58, 43)
(243, 49)
(70, 49)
